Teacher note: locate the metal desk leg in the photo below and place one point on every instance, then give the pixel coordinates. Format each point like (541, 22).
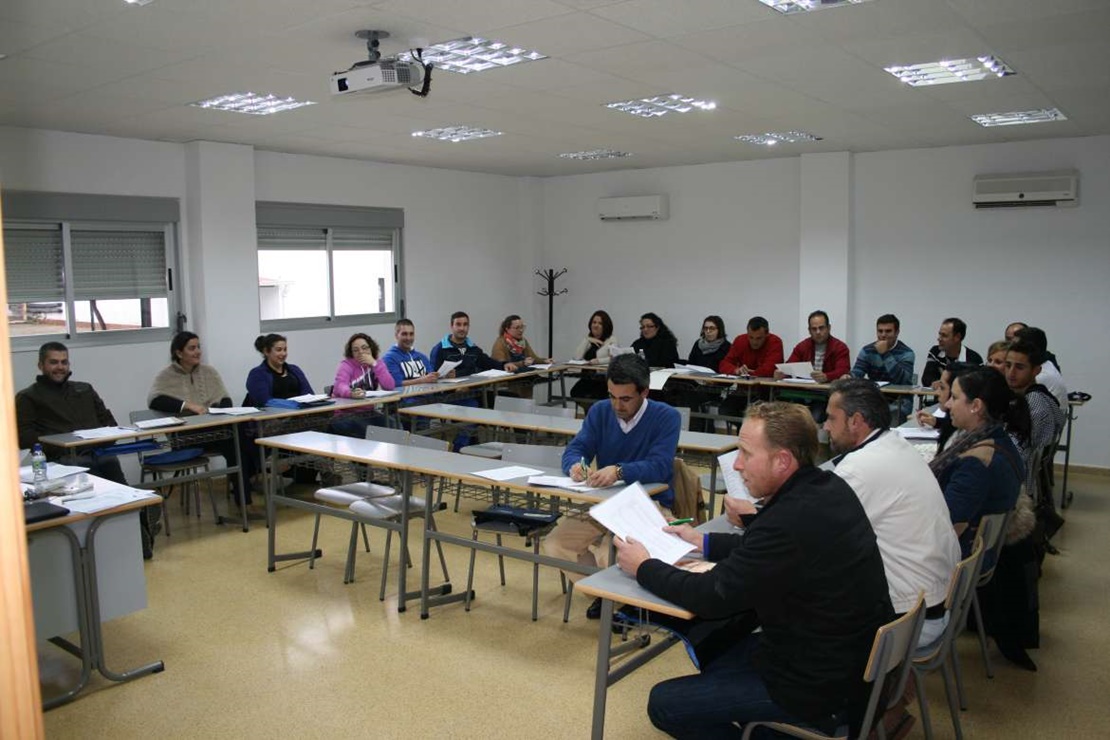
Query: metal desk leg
(239, 474)
(601, 676)
(84, 652)
(406, 493)
(96, 635)
(1065, 495)
(271, 510)
(713, 465)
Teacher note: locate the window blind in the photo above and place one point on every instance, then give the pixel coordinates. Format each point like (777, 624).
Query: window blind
(118, 264)
(291, 238)
(366, 239)
(33, 260)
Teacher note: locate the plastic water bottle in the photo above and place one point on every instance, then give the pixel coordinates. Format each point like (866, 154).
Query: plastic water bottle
(38, 467)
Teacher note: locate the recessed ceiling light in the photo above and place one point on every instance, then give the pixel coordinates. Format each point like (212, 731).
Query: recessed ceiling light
(1017, 117)
(951, 70)
(802, 6)
(472, 54)
(773, 138)
(139, 2)
(3, 56)
(596, 154)
(661, 105)
(248, 102)
(456, 134)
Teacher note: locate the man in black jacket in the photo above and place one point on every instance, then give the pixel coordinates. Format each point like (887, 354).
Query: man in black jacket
(807, 570)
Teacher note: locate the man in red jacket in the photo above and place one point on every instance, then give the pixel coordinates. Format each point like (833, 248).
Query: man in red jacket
(755, 353)
(825, 351)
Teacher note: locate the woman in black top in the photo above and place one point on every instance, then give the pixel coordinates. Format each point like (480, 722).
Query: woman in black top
(657, 343)
(708, 351)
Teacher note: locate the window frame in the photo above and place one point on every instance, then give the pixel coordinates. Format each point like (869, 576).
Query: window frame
(329, 218)
(68, 212)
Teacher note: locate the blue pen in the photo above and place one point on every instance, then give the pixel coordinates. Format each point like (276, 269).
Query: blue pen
(585, 468)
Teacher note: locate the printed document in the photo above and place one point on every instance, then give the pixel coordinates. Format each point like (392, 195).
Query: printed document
(508, 472)
(734, 484)
(796, 369)
(632, 514)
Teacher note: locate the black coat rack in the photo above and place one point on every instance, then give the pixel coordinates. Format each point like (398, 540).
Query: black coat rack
(551, 276)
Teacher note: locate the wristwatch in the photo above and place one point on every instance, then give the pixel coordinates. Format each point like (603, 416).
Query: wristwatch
(620, 472)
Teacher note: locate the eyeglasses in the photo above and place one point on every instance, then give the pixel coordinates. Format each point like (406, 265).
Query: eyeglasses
(647, 326)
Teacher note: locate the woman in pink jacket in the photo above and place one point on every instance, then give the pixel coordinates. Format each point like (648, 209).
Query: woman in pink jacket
(361, 370)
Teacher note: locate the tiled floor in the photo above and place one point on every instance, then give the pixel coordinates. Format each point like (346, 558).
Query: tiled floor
(295, 653)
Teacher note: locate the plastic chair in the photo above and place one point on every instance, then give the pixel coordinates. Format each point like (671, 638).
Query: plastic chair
(492, 450)
(992, 530)
(889, 664)
(942, 652)
(559, 411)
(547, 456)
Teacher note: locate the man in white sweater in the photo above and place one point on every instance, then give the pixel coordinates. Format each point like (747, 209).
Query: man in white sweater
(901, 497)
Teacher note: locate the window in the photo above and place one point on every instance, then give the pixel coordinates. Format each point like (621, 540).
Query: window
(89, 269)
(328, 264)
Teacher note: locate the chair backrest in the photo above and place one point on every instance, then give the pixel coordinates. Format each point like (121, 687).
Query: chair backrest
(328, 389)
(512, 403)
(992, 530)
(891, 660)
(387, 434)
(688, 501)
(684, 413)
(428, 443)
(549, 456)
(567, 413)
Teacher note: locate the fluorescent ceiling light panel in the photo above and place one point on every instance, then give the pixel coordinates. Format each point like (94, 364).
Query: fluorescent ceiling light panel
(802, 6)
(472, 54)
(254, 104)
(774, 138)
(456, 134)
(1017, 117)
(596, 154)
(139, 2)
(951, 70)
(661, 105)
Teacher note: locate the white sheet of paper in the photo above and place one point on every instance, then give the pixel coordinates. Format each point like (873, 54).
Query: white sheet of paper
(694, 369)
(940, 413)
(310, 397)
(455, 380)
(379, 393)
(165, 421)
(918, 432)
(54, 471)
(614, 350)
(797, 369)
(558, 481)
(107, 495)
(631, 513)
(659, 378)
(800, 381)
(578, 362)
(881, 383)
(101, 432)
(734, 484)
(541, 365)
(234, 410)
(493, 373)
(508, 472)
(447, 367)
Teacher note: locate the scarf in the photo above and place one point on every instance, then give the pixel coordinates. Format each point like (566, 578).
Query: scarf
(514, 347)
(959, 445)
(708, 348)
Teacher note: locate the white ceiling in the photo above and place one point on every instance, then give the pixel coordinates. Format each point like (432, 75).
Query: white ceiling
(105, 67)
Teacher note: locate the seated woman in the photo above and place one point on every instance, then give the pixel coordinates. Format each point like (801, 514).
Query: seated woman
(708, 351)
(981, 473)
(657, 343)
(594, 349)
(926, 417)
(187, 386)
(511, 347)
(360, 370)
(274, 377)
(996, 355)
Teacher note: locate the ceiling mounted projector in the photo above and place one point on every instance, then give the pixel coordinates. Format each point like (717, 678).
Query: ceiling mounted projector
(379, 75)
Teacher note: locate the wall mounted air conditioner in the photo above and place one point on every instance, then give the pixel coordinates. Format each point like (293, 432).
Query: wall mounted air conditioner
(638, 208)
(1026, 190)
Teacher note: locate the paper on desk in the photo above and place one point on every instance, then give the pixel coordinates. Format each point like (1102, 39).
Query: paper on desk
(631, 513)
(494, 373)
(578, 362)
(164, 421)
(101, 432)
(659, 378)
(447, 367)
(734, 484)
(378, 393)
(558, 481)
(918, 432)
(233, 410)
(541, 365)
(108, 495)
(310, 397)
(797, 369)
(53, 472)
(508, 472)
(455, 380)
(694, 369)
(800, 381)
(881, 383)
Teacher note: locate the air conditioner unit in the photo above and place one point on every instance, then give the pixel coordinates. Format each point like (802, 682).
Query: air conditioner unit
(1026, 190)
(638, 208)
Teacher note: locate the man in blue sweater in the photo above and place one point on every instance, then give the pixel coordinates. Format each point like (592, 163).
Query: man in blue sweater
(888, 359)
(632, 440)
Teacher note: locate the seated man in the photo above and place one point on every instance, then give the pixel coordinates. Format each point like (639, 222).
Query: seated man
(1049, 375)
(807, 570)
(408, 365)
(456, 346)
(887, 359)
(949, 348)
(633, 440)
(1023, 364)
(829, 357)
(901, 497)
(754, 354)
(54, 404)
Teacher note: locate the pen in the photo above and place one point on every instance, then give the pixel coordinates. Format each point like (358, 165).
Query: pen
(82, 497)
(676, 522)
(585, 467)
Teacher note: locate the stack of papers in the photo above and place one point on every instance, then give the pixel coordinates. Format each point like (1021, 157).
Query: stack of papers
(508, 472)
(102, 432)
(559, 481)
(491, 374)
(54, 471)
(165, 421)
(233, 410)
(694, 369)
(578, 362)
(918, 432)
(632, 514)
(540, 365)
(310, 398)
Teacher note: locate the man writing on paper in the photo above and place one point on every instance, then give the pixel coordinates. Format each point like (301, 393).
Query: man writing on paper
(54, 404)
(808, 568)
(633, 440)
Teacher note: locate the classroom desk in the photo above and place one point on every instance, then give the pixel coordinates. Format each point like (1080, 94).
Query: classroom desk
(87, 569)
(696, 443)
(1065, 494)
(613, 585)
(195, 431)
(411, 461)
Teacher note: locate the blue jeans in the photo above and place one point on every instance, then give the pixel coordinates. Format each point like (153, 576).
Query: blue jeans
(705, 705)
